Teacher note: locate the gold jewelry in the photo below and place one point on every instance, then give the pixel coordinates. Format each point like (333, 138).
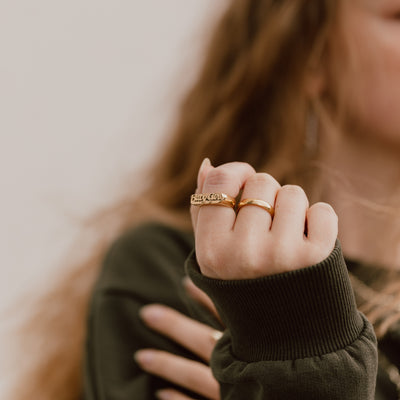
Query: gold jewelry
(216, 335)
(206, 199)
(259, 203)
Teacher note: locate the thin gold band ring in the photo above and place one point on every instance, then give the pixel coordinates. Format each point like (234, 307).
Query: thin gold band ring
(259, 203)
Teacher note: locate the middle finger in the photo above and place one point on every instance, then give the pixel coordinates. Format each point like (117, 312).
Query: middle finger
(252, 218)
(189, 333)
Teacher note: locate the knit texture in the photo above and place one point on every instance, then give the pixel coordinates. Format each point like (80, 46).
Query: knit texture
(276, 321)
(297, 314)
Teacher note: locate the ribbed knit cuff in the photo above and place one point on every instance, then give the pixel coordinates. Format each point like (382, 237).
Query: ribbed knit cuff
(297, 314)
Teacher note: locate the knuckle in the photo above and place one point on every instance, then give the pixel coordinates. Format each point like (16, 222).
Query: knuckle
(240, 164)
(209, 257)
(282, 255)
(244, 252)
(217, 176)
(324, 207)
(205, 259)
(294, 190)
(262, 179)
(319, 252)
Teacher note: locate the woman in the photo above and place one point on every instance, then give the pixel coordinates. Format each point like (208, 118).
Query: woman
(291, 92)
(292, 331)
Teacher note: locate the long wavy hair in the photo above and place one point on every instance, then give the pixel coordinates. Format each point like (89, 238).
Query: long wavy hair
(249, 103)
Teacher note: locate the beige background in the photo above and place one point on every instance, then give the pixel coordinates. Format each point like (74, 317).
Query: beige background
(87, 88)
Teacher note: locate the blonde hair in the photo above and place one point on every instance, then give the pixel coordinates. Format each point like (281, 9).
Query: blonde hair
(248, 104)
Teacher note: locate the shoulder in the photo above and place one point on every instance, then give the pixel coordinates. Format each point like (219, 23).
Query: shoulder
(153, 235)
(146, 251)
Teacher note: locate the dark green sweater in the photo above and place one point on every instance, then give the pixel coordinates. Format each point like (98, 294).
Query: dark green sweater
(296, 335)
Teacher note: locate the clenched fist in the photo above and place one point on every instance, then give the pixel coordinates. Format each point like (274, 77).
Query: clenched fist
(252, 243)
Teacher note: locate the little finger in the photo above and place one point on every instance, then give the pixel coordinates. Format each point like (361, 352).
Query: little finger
(322, 226)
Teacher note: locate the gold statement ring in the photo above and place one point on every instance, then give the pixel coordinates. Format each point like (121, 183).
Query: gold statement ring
(259, 203)
(207, 199)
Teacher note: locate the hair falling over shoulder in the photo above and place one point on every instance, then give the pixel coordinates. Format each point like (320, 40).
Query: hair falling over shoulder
(247, 104)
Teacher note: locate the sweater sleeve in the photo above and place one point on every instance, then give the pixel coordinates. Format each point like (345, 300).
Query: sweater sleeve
(295, 335)
(143, 266)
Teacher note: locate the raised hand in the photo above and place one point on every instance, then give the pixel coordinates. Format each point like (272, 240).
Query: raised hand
(252, 243)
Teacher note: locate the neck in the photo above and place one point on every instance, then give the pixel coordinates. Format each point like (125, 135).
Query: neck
(366, 197)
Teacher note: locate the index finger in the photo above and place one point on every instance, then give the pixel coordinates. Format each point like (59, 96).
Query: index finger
(200, 296)
(229, 179)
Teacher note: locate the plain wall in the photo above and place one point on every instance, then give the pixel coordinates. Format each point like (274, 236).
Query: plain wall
(87, 90)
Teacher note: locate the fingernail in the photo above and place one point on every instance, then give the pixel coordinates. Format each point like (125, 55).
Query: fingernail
(163, 395)
(201, 174)
(144, 357)
(205, 163)
(151, 313)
